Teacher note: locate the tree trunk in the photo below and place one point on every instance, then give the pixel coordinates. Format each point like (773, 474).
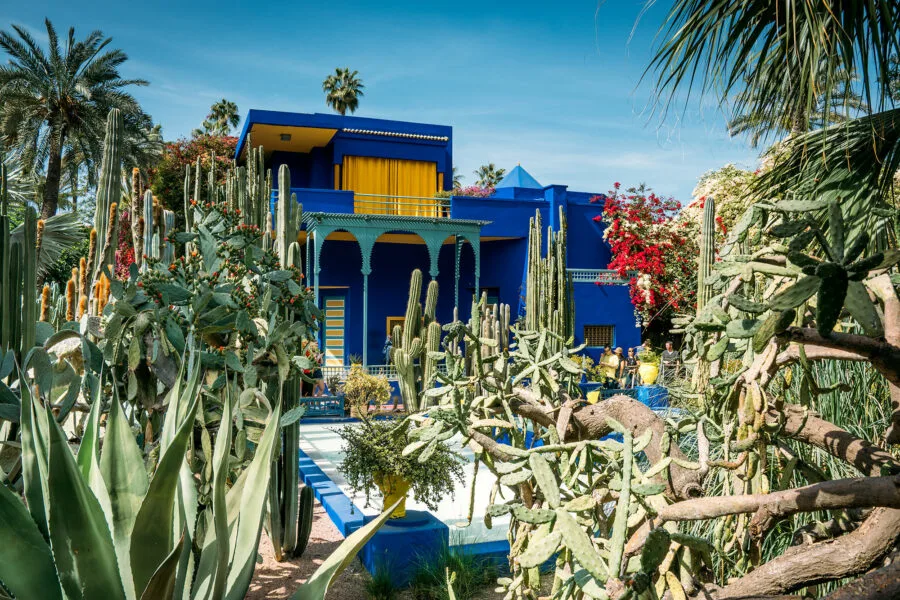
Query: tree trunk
(54, 172)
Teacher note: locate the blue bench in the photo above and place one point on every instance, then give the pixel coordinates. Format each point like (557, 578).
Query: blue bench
(323, 406)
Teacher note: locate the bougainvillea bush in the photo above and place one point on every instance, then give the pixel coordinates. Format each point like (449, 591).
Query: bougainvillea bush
(654, 245)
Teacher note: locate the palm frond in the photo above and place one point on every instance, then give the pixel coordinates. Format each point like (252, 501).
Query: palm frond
(61, 231)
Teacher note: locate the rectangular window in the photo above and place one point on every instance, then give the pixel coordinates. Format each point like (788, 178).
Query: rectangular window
(598, 336)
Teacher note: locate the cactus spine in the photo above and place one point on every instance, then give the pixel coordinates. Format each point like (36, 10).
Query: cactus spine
(707, 252)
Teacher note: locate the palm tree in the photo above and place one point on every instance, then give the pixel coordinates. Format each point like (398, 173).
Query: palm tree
(343, 89)
(843, 103)
(783, 64)
(457, 179)
(57, 101)
(222, 118)
(489, 175)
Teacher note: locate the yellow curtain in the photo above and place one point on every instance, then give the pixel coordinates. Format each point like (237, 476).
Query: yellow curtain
(388, 178)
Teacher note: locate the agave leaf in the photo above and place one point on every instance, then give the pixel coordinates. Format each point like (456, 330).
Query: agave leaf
(162, 584)
(212, 572)
(317, 585)
(26, 563)
(124, 475)
(35, 458)
(80, 538)
(244, 535)
(152, 536)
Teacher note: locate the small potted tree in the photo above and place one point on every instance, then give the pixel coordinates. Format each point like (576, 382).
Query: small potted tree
(648, 368)
(373, 459)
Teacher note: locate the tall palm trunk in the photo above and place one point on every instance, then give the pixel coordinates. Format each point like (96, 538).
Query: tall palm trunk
(54, 172)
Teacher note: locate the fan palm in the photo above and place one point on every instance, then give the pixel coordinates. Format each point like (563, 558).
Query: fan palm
(843, 104)
(56, 101)
(222, 118)
(457, 179)
(489, 175)
(783, 63)
(343, 89)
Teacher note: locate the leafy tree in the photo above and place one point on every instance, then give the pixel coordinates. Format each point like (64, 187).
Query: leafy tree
(222, 118)
(55, 103)
(167, 179)
(343, 89)
(489, 175)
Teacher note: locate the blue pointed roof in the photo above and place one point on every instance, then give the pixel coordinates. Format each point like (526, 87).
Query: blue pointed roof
(519, 178)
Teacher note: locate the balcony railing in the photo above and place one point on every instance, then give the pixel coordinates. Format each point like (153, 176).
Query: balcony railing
(387, 370)
(407, 206)
(600, 276)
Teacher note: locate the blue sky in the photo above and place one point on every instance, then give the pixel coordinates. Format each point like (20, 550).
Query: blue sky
(553, 86)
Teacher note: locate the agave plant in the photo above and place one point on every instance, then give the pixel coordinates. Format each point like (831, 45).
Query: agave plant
(96, 524)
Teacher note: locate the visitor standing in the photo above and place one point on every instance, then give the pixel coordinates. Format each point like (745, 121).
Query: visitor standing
(670, 360)
(609, 366)
(630, 368)
(620, 368)
(388, 345)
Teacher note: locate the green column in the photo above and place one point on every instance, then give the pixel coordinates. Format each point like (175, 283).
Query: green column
(476, 248)
(366, 240)
(365, 352)
(456, 250)
(316, 268)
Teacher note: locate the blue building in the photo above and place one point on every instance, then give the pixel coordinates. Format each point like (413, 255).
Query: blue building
(377, 203)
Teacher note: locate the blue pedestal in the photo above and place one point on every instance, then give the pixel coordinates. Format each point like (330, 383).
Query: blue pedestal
(401, 545)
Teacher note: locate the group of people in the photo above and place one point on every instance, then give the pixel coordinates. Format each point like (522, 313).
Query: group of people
(621, 370)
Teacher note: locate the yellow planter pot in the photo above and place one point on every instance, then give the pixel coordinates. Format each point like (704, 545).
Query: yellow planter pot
(393, 488)
(648, 373)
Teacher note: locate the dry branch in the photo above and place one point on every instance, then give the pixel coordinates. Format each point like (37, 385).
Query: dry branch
(859, 492)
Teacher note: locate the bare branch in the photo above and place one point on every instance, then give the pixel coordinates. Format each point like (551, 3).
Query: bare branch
(868, 458)
(881, 584)
(859, 492)
(802, 566)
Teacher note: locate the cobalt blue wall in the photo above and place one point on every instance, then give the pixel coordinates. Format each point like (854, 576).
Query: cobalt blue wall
(587, 249)
(605, 305)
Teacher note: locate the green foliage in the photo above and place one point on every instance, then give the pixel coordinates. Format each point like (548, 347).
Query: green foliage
(360, 389)
(376, 448)
(381, 585)
(167, 178)
(470, 576)
(58, 98)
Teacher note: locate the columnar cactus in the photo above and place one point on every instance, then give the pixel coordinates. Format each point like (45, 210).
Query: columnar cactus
(707, 252)
(288, 213)
(548, 303)
(411, 343)
(18, 285)
(148, 226)
(109, 186)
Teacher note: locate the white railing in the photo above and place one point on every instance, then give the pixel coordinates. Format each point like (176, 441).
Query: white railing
(600, 276)
(405, 206)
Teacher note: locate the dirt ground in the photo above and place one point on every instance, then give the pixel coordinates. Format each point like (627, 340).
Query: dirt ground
(280, 579)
